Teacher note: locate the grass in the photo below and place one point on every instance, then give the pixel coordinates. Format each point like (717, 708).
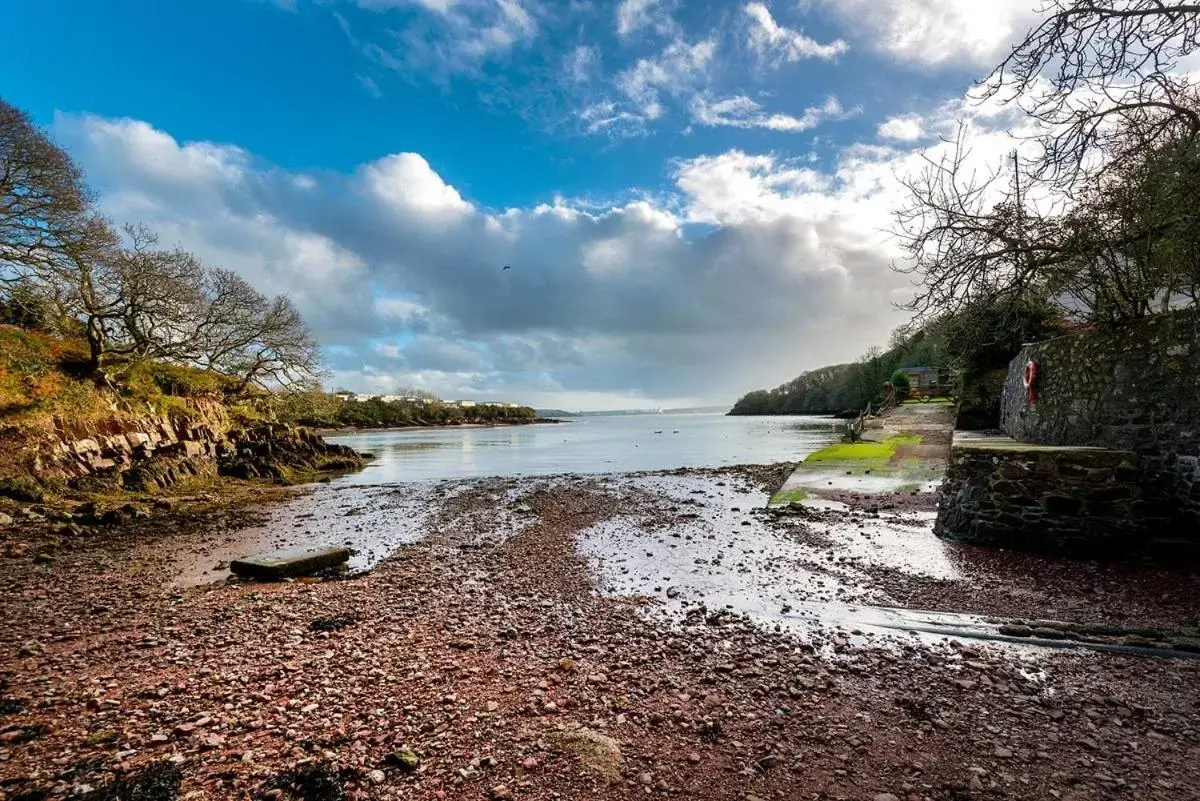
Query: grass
(43, 377)
(40, 373)
(864, 454)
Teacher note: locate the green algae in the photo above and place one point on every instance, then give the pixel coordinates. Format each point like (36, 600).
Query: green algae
(864, 454)
(784, 497)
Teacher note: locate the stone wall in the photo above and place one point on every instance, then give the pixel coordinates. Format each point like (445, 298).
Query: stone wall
(1066, 500)
(1134, 389)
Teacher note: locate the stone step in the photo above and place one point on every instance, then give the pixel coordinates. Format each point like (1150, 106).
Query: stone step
(290, 563)
(1074, 500)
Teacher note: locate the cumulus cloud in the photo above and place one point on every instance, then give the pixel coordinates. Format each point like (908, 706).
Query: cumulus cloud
(970, 32)
(691, 298)
(775, 43)
(908, 128)
(742, 112)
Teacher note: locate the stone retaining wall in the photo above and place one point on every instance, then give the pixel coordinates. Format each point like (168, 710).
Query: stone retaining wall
(1134, 389)
(1074, 501)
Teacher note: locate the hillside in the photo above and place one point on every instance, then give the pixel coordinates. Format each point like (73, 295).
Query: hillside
(841, 387)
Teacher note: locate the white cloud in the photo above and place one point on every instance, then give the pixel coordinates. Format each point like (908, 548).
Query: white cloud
(742, 112)
(973, 32)
(582, 64)
(774, 42)
(453, 37)
(605, 117)
(678, 68)
(907, 128)
(407, 185)
(636, 15)
(631, 303)
(369, 86)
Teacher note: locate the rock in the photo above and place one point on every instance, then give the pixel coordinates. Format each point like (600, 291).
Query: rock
(1002, 753)
(376, 777)
(289, 563)
(885, 797)
(500, 792)
(1015, 630)
(406, 759)
(598, 754)
(5, 520)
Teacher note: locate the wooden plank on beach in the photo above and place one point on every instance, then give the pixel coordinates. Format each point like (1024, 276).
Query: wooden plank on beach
(289, 563)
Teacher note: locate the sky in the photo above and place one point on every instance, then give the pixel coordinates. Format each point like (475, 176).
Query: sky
(693, 197)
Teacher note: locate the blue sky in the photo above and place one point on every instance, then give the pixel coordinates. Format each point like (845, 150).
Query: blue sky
(692, 194)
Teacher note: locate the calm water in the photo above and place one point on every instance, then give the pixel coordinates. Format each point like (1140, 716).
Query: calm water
(601, 444)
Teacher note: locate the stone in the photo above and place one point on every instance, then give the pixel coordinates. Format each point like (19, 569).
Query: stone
(376, 777)
(598, 753)
(405, 759)
(289, 563)
(885, 797)
(5, 520)
(1002, 753)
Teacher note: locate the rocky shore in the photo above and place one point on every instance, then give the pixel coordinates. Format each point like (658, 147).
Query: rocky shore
(560, 638)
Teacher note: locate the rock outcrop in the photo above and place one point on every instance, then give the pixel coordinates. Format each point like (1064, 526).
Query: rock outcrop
(152, 452)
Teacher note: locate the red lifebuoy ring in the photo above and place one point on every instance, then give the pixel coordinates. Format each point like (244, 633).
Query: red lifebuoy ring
(1031, 380)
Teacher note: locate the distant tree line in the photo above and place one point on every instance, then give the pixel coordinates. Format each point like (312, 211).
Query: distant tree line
(844, 387)
(969, 345)
(65, 269)
(324, 410)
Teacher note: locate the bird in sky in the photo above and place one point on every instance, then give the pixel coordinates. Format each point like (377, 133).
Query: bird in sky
(507, 267)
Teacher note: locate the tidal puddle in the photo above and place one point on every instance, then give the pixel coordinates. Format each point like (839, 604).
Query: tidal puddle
(372, 521)
(716, 546)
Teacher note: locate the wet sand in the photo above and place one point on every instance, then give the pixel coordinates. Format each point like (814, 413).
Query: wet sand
(729, 653)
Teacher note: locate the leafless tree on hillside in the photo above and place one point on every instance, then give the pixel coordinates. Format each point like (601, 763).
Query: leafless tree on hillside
(259, 340)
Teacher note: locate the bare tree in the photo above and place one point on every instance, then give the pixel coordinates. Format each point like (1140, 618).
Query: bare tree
(161, 297)
(1116, 155)
(260, 341)
(132, 299)
(970, 235)
(1092, 72)
(43, 201)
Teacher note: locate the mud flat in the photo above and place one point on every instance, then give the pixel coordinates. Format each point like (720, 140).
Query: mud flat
(625, 636)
